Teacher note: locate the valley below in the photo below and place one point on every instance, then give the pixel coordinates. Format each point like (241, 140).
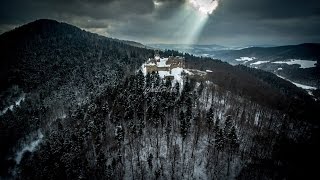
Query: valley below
(297, 63)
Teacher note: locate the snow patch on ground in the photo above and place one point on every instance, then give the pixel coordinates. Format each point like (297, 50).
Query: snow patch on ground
(256, 118)
(209, 71)
(15, 104)
(29, 147)
(197, 72)
(303, 63)
(310, 93)
(175, 72)
(280, 69)
(188, 72)
(163, 62)
(299, 85)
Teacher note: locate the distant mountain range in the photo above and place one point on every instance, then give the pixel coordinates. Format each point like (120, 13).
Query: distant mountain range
(203, 50)
(200, 49)
(307, 51)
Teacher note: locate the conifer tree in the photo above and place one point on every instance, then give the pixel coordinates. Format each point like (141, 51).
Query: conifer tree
(216, 126)
(150, 164)
(210, 118)
(176, 91)
(219, 141)
(148, 80)
(233, 140)
(119, 134)
(184, 125)
(227, 125)
(140, 80)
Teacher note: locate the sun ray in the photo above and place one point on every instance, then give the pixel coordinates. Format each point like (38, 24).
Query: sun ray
(204, 6)
(194, 24)
(189, 20)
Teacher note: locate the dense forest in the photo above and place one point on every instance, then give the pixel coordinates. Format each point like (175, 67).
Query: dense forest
(75, 105)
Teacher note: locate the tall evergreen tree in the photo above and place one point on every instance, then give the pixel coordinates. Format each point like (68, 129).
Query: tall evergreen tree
(219, 141)
(183, 125)
(176, 90)
(119, 134)
(227, 125)
(148, 80)
(140, 79)
(210, 118)
(233, 140)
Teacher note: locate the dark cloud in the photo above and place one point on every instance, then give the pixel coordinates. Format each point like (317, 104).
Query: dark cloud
(270, 9)
(18, 10)
(152, 21)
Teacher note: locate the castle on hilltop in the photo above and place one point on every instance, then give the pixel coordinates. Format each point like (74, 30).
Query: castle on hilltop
(156, 64)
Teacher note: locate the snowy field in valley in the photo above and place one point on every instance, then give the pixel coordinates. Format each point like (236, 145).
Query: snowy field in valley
(302, 63)
(245, 59)
(259, 62)
(299, 85)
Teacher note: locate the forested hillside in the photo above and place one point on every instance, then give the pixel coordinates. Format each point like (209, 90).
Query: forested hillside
(56, 67)
(75, 105)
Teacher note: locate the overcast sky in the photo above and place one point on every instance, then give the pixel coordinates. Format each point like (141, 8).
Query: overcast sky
(233, 23)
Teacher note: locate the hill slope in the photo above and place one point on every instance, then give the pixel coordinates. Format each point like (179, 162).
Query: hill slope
(74, 105)
(56, 67)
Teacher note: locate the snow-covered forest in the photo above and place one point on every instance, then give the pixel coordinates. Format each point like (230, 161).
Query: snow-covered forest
(87, 111)
(135, 131)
